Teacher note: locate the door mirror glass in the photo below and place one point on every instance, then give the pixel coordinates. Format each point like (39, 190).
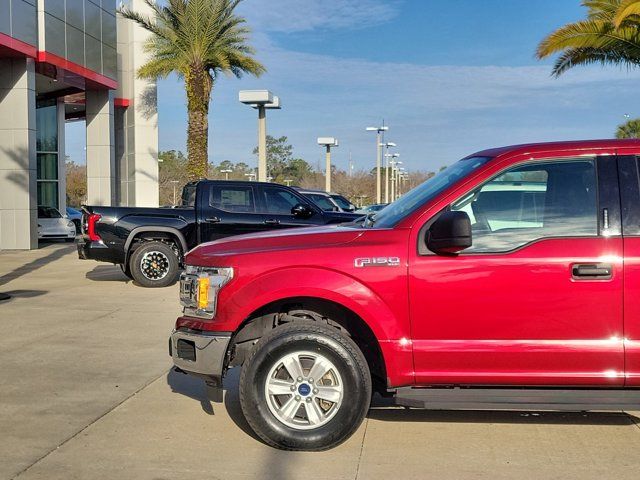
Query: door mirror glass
(450, 233)
(301, 210)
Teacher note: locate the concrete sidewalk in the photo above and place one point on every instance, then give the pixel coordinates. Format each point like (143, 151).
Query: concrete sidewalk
(88, 393)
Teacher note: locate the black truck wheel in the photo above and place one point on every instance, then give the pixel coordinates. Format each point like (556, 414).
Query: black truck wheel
(305, 386)
(154, 264)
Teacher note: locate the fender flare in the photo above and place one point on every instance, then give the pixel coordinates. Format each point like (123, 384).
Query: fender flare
(138, 230)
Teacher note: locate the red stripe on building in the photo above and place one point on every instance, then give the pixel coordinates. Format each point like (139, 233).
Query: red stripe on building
(18, 45)
(47, 57)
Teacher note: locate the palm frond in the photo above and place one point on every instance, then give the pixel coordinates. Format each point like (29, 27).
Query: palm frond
(627, 10)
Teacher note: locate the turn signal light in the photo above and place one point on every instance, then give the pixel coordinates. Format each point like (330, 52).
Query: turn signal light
(203, 292)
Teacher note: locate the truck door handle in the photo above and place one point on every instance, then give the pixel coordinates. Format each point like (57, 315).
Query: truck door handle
(272, 221)
(212, 220)
(592, 270)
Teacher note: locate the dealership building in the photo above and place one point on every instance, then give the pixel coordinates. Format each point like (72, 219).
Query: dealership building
(63, 61)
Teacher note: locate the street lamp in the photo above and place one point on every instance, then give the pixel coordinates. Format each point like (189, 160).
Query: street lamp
(226, 172)
(387, 145)
(379, 131)
(261, 100)
(328, 142)
(386, 173)
(394, 178)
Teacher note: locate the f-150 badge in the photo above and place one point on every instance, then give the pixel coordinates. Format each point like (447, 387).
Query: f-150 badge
(377, 262)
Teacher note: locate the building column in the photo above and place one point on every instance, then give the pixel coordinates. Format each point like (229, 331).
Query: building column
(138, 124)
(18, 167)
(100, 148)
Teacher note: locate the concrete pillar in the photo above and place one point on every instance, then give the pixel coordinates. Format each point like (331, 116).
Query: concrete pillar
(100, 148)
(18, 165)
(137, 132)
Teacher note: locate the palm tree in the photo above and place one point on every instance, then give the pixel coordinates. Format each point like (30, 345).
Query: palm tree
(198, 40)
(629, 129)
(609, 35)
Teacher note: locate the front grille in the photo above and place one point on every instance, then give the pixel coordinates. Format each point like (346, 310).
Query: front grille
(186, 349)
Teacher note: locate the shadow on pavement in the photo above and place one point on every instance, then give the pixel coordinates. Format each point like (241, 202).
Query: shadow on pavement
(15, 294)
(196, 389)
(107, 273)
(35, 264)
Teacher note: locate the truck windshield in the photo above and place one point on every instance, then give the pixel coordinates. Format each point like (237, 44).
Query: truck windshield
(414, 199)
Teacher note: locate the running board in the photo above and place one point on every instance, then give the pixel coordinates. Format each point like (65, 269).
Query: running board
(518, 399)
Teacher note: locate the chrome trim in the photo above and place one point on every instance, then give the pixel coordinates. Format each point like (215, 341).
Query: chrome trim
(210, 352)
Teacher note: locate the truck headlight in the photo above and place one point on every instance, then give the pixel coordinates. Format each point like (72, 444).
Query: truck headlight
(199, 287)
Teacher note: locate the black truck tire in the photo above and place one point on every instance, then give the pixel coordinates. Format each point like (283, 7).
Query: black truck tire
(288, 408)
(154, 264)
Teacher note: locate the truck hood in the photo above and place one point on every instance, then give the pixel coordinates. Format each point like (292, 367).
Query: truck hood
(287, 239)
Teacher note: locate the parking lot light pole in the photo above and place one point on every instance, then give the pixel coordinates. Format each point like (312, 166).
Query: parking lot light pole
(386, 177)
(261, 100)
(379, 131)
(386, 172)
(328, 142)
(394, 178)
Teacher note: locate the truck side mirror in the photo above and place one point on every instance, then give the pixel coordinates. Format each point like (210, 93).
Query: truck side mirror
(301, 210)
(450, 233)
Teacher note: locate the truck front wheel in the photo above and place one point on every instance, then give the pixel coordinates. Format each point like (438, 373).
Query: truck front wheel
(305, 386)
(154, 264)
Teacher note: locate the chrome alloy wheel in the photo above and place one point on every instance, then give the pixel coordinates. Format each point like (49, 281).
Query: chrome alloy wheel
(154, 265)
(304, 390)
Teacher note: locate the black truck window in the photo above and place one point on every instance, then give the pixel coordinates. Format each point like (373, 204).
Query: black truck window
(232, 198)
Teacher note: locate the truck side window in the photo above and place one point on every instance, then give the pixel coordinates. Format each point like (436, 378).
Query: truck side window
(527, 203)
(279, 201)
(232, 198)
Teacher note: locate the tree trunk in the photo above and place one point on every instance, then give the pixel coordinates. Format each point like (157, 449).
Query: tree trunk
(198, 85)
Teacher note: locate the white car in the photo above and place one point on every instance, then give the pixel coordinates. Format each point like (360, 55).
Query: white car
(52, 225)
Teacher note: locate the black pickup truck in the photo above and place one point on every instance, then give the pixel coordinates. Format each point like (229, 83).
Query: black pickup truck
(149, 243)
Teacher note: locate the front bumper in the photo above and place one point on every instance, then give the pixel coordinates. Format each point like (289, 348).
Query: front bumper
(200, 353)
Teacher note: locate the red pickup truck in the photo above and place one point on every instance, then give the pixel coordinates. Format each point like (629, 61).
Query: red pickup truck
(511, 280)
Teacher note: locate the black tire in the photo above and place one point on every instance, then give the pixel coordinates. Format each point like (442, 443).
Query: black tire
(69, 240)
(169, 265)
(332, 345)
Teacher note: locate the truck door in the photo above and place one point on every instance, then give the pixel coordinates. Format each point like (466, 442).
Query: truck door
(276, 204)
(537, 299)
(629, 172)
(227, 209)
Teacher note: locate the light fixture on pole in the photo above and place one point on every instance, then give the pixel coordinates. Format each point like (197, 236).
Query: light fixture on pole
(226, 172)
(387, 145)
(251, 176)
(378, 131)
(328, 142)
(261, 100)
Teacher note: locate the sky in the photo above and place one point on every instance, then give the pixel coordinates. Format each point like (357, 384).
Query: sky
(449, 77)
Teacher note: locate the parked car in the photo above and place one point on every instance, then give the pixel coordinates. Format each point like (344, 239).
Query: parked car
(342, 201)
(376, 207)
(507, 281)
(75, 216)
(149, 243)
(321, 199)
(52, 225)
